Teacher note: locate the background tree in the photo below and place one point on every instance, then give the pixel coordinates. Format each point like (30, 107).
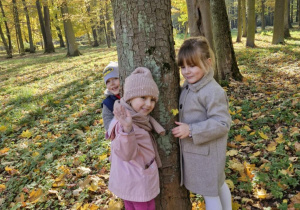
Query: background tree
(5, 43)
(278, 29)
(225, 56)
(18, 27)
(9, 50)
(244, 17)
(263, 22)
(199, 19)
(31, 48)
(240, 22)
(49, 47)
(143, 39)
(70, 36)
(251, 23)
(286, 20)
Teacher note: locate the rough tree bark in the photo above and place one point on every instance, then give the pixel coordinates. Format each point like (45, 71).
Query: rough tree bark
(5, 43)
(18, 27)
(144, 38)
(32, 48)
(9, 52)
(49, 47)
(244, 18)
(70, 36)
(286, 20)
(41, 20)
(251, 24)
(240, 22)
(225, 56)
(199, 19)
(278, 29)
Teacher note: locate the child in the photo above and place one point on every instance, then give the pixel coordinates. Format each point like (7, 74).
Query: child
(111, 79)
(204, 125)
(134, 157)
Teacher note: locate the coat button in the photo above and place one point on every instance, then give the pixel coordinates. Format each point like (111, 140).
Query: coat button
(180, 106)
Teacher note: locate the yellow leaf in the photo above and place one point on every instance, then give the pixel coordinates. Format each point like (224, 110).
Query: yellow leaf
(232, 152)
(35, 195)
(4, 150)
(247, 128)
(239, 138)
(76, 206)
(260, 193)
(252, 133)
(235, 205)
(85, 207)
(174, 111)
(192, 195)
(262, 135)
(102, 157)
(297, 146)
(35, 154)
(3, 128)
(272, 146)
(236, 165)
(236, 121)
(59, 184)
(279, 139)
(88, 140)
(2, 187)
(231, 112)
(26, 134)
(230, 184)
(11, 171)
(248, 169)
(115, 205)
(101, 121)
(247, 200)
(256, 153)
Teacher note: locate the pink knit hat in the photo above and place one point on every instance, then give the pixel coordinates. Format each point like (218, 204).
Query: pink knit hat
(140, 83)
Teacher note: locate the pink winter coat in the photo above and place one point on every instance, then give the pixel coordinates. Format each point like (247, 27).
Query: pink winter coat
(131, 176)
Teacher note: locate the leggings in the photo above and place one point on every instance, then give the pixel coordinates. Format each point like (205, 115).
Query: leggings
(131, 205)
(221, 202)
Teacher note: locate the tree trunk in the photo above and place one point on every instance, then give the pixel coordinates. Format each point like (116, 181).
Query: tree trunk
(225, 56)
(18, 27)
(278, 29)
(251, 24)
(59, 34)
(108, 25)
(263, 22)
(41, 20)
(143, 39)
(49, 47)
(244, 17)
(289, 13)
(9, 53)
(298, 13)
(286, 20)
(199, 19)
(240, 22)
(94, 32)
(71, 42)
(32, 48)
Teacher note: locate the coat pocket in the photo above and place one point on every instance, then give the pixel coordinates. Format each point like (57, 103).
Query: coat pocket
(202, 149)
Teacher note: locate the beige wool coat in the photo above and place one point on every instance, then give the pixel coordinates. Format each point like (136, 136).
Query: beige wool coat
(204, 106)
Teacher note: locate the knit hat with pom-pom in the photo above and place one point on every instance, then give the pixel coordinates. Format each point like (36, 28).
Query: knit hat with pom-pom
(140, 83)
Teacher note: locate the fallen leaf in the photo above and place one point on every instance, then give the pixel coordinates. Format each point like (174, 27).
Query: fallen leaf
(230, 184)
(4, 150)
(3, 128)
(174, 112)
(279, 139)
(239, 138)
(26, 134)
(35, 195)
(115, 205)
(235, 205)
(272, 146)
(232, 152)
(262, 135)
(2, 187)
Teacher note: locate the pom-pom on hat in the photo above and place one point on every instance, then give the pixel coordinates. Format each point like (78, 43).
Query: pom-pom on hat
(111, 71)
(140, 83)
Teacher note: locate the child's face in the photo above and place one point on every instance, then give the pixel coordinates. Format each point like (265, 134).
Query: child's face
(113, 85)
(192, 73)
(143, 105)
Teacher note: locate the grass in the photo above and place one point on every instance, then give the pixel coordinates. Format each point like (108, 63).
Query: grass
(54, 155)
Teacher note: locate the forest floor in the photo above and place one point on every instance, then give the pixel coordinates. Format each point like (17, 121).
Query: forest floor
(54, 155)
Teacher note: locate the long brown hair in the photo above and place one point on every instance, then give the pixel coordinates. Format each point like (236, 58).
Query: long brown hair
(195, 51)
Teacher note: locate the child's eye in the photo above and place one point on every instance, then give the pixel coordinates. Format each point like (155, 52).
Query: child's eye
(153, 99)
(143, 97)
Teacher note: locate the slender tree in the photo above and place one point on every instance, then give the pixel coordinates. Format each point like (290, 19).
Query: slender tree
(286, 20)
(5, 43)
(32, 48)
(108, 25)
(278, 29)
(41, 20)
(199, 19)
(263, 22)
(244, 18)
(93, 25)
(49, 47)
(70, 36)
(240, 22)
(18, 27)
(251, 24)
(9, 52)
(143, 39)
(225, 55)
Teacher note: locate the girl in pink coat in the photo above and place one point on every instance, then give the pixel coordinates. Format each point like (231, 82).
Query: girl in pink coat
(134, 157)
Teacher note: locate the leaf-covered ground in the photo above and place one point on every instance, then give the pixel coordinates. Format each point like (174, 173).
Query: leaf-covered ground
(54, 155)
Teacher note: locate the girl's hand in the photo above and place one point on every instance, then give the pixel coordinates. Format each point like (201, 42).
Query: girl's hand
(181, 131)
(124, 117)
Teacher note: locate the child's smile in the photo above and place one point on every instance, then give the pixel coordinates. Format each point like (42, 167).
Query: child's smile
(113, 85)
(143, 105)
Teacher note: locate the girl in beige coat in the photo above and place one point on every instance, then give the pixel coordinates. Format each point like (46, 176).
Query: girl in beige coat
(203, 127)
